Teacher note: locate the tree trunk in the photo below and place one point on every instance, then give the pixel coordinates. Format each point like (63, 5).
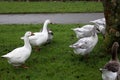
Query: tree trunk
(112, 16)
(27, 0)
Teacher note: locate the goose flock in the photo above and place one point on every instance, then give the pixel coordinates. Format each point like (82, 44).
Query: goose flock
(85, 45)
(87, 36)
(87, 40)
(18, 56)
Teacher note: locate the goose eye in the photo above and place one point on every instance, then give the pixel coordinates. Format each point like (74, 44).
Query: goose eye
(85, 42)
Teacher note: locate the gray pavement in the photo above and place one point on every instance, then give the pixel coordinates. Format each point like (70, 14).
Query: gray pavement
(58, 18)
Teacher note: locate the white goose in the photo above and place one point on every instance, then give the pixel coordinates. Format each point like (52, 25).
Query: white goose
(101, 25)
(84, 31)
(100, 21)
(110, 70)
(18, 56)
(41, 37)
(50, 35)
(85, 45)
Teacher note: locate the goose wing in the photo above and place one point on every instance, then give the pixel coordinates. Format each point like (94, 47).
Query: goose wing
(83, 43)
(16, 53)
(36, 36)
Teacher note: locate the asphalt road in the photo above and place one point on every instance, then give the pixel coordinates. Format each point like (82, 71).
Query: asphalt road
(58, 18)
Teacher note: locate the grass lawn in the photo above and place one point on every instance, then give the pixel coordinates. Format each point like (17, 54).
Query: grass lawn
(50, 7)
(55, 61)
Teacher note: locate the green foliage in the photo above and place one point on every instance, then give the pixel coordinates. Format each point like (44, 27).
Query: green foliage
(55, 61)
(51, 7)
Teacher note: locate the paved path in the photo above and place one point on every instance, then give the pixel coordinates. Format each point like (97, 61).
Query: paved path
(59, 18)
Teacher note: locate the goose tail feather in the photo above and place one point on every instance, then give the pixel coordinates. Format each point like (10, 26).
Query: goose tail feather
(5, 56)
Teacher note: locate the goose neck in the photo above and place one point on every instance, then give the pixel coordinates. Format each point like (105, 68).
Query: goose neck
(27, 43)
(94, 34)
(114, 53)
(45, 27)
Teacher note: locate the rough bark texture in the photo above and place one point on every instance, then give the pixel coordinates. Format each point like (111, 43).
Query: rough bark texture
(51, 0)
(112, 15)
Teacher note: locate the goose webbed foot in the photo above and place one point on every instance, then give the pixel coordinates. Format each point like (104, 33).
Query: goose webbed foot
(24, 66)
(86, 57)
(37, 48)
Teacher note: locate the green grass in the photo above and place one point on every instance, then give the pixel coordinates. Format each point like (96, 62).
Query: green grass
(55, 61)
(50, 7)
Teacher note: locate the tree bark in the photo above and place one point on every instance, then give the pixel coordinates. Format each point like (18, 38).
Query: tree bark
(112, 16)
